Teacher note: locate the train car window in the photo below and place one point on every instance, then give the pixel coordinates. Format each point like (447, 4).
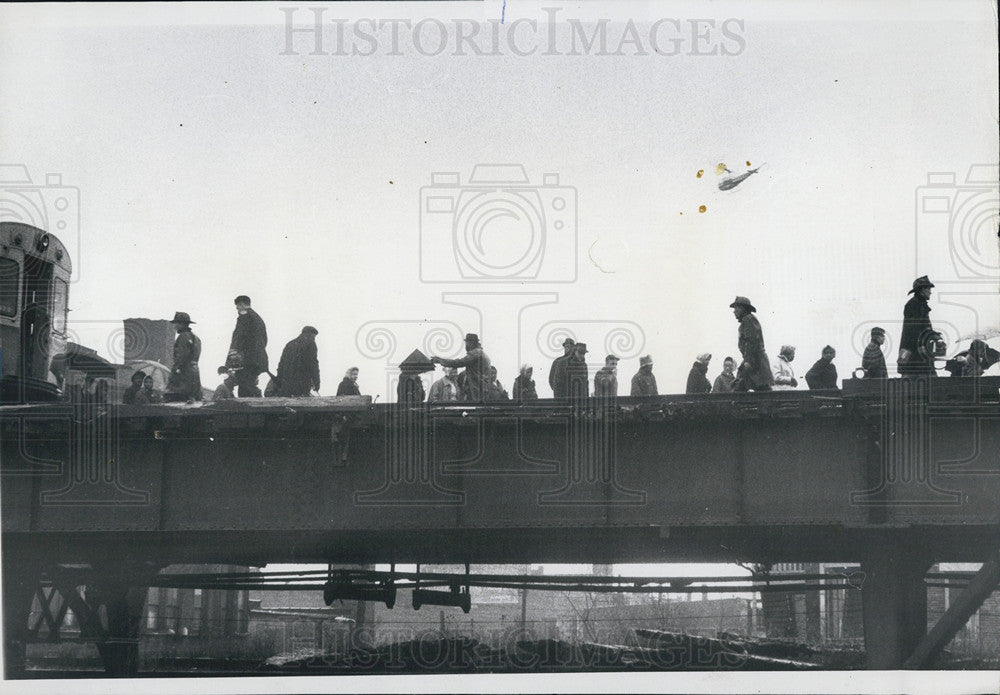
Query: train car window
(59, 296)
(10, 286)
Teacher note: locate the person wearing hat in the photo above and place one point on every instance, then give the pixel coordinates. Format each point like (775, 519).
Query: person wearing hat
(644, 383)
(698, 376)
(724, 382)
(755, 372)
(523, 388)
(914, 357)
(410, 389)
(557, 373)
(606, 379)
(185, 380)
(823, 374)
(128, 397)
(575, 383)
(784, 375)
(248, 348)
(475, 377)
(298, 368)
(873, 361)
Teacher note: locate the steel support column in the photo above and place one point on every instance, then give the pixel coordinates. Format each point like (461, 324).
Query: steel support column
(894, 604)
(962, 608)
(20, 580)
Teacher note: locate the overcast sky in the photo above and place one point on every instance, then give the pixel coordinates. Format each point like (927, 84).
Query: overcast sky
(209, 164)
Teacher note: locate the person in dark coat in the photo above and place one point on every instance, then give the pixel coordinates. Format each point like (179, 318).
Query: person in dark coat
(557, 373)
(185, 380)
(298, 368)
(495, 390)
(974, 361)
(128, 397)
(523, 388)
(724, 382)
(915, 357)
(873, 361)
(475, 377)
(698, 376)
(224, 391)
(349, 385)
(644, 382)
(823, 374)
(148, 395)
(754, 373)
(410, 389)
(576, 380)
(606, 379)
(248, 348)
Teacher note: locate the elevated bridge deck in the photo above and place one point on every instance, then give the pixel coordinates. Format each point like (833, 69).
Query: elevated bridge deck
(782, 476)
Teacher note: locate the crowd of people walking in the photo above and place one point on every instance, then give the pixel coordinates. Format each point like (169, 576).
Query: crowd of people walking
(298, 371)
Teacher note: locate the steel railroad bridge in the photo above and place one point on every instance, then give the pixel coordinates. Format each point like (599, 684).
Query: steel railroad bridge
(894, 474)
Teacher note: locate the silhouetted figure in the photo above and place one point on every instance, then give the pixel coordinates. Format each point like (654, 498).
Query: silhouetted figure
(644, 383)
(698, 375)
(474, 379)
(349, 385)
(754, 373)
(557, 373)
(185, 380)
(915, 355)
(823, 374)
(873, 361)
(523, 388)
(248, 348)
(298, 369)
(606, 379)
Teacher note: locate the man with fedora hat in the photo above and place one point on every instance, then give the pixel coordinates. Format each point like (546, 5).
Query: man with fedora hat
(557, 374)
(298, 369)
(915, 355)
(248, 348)
(873, 361)
(755, 372)
(475, 379)
(185, 380)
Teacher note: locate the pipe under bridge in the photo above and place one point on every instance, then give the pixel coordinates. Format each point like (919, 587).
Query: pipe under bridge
(893, 474)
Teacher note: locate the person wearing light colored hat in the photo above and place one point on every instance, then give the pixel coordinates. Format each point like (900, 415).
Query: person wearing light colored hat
(914, 358)
(698, 376)
(755, 372)
(644, 383)
(873, 361)
(784, 375)
(185, 380)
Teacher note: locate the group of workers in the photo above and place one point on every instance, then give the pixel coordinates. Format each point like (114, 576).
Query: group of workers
(298, 369)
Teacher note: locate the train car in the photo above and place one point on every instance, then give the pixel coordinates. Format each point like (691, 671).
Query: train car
(34, 290)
